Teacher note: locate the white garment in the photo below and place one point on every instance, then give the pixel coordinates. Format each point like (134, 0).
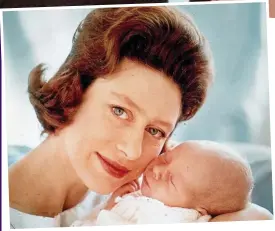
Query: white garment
(20, 220)
(135, 209)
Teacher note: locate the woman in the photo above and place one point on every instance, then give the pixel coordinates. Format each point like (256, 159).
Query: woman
(132, 75)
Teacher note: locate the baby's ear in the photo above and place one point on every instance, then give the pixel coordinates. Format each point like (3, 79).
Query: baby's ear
(202, 211)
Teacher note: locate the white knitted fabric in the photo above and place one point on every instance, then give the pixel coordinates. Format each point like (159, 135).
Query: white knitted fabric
(135, 209)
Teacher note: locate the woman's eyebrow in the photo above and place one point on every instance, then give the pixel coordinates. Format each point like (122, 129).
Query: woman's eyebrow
(126, 99)
(168, 125)
(131, 103)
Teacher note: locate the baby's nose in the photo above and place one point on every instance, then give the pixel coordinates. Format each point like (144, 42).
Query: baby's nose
(158, 172)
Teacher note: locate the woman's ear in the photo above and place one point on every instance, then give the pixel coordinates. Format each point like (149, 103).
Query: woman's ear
(202, 211)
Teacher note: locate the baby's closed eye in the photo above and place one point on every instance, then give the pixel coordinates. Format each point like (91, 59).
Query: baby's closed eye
(171, 180)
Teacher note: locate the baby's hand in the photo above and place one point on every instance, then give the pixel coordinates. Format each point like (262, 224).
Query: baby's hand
(125, 189)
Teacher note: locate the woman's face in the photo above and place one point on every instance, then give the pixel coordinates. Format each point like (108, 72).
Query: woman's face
(121, 126)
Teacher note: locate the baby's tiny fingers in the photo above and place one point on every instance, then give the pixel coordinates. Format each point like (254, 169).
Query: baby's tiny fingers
(128, 188)
(131, 188)
(136, 185)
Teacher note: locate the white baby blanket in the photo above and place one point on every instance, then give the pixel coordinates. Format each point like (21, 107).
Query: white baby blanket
(136, 209)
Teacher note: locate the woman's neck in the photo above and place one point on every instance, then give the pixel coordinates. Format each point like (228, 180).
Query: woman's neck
(44, 183)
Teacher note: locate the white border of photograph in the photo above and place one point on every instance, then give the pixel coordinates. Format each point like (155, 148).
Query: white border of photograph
(145, 4)
(242, 225)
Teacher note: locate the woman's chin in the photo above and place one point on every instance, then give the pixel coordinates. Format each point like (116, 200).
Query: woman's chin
(103, 191)
(102, 188)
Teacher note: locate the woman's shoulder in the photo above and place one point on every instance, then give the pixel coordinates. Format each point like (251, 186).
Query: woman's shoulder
(22, 220)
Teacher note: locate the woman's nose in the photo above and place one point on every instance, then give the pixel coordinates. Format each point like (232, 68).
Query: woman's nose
(131, 144)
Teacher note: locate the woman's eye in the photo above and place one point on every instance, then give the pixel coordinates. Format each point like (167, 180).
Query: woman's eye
(155, 132)
(120, 112)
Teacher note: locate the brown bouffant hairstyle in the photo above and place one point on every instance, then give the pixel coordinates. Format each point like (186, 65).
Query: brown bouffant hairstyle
(159, 37)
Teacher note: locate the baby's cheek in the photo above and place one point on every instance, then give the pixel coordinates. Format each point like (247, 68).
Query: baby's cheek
(160, 192)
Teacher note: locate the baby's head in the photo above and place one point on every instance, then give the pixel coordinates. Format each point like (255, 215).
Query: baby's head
(202, 175)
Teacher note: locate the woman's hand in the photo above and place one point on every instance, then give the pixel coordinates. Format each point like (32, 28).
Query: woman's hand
(124, 189)
(250, 213)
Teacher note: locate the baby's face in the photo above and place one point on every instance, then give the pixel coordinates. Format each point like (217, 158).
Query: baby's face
(173, 176)
(199, 175)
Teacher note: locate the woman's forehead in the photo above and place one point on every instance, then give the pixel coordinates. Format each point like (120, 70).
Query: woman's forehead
(143, 89)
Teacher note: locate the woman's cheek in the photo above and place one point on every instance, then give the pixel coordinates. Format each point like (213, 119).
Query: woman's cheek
(150, 153)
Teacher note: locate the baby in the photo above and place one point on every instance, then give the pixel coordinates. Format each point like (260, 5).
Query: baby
(192, 182)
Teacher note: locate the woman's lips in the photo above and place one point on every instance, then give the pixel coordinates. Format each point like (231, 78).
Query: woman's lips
(113, 168)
